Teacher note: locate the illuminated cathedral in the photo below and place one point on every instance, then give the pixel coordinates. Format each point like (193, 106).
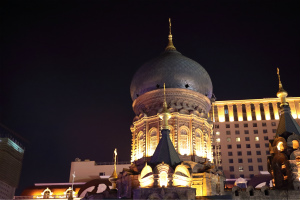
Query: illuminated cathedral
(188, 97)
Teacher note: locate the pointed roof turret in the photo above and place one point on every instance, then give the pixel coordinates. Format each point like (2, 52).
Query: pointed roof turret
(170, 44)
(287, 124)
(165, 151)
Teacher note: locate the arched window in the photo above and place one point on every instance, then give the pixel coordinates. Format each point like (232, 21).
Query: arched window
(69, 192)
(140, 152)
(184, 141)
(47, 193)
(171, 134)
(295, 144)
(198, 142)
(153, 141)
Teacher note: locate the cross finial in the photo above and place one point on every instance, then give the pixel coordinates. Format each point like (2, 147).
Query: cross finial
(115, 155)
(170, 26)
(170, 44)
(278, 75)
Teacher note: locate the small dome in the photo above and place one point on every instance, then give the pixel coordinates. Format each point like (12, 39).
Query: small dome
(173, 69)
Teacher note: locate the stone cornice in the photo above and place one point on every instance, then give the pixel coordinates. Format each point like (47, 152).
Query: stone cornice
(179, 100)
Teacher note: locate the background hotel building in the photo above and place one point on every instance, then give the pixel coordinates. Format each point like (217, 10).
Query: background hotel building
(242, 129)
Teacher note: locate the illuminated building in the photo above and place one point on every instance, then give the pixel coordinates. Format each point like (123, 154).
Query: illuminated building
(188, 96)
(11, 157)
(242, 130)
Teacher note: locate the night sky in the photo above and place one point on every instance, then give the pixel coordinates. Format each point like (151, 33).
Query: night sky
(66, 67)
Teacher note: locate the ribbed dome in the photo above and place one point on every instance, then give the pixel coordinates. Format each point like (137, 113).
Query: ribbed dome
(174, 69)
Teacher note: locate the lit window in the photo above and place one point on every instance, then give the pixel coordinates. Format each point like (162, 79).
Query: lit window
(238, 139)
(183, 144)
(256, 138)
(295, 144)
(280, 146)
(228, 139)
(218, 133)
(153, 140)
(218, 140)
(241, 168)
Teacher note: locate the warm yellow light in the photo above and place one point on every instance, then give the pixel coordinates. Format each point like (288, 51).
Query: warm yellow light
(280, 146)
(221, 113)
(240, 118)
(249, 116)
(218, 133)
(256, 138)
(238, 139)
(163, 179)
(294, 115)
(221, 118)
(218, 140)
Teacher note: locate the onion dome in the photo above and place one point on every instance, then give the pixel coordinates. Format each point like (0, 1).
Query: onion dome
(173, 69)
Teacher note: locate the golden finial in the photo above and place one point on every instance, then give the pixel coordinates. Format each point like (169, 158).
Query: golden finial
(170, 44)
(114, 174)
(282, 94)
(165, 115)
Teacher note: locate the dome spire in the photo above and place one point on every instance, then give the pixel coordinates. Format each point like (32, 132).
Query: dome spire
(165, 115)
(170, 44)
(282, 94)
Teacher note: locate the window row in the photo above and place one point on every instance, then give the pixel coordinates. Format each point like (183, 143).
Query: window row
(249, 160)
(237, 132)
(246, 125)
(250, 168)
(238, 139)
(249, 153)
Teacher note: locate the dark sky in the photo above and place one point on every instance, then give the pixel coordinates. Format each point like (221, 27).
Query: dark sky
(66, 67)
